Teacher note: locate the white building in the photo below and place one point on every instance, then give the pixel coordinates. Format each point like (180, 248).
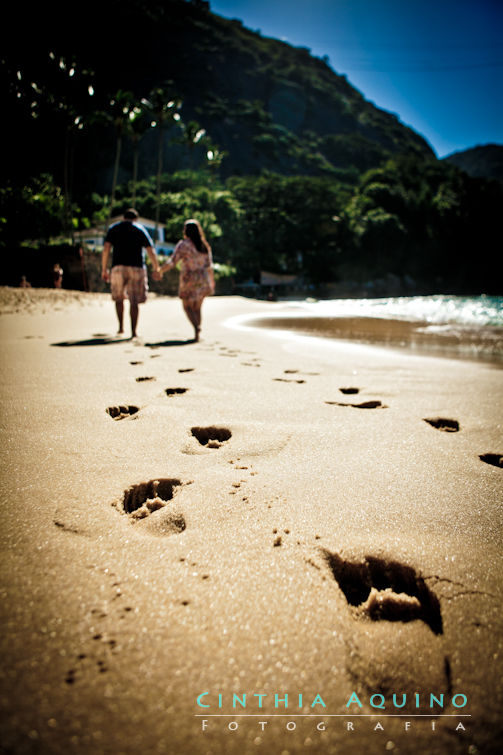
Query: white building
(94, 238)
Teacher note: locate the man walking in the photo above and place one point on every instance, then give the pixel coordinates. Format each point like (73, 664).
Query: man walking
(128, 276)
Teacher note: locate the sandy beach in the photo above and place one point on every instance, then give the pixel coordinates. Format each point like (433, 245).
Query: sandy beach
(256, 543)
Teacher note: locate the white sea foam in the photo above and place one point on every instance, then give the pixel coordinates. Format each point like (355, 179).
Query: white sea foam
(469, 310)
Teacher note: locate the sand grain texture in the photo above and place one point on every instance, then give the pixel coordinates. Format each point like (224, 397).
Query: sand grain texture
(296, 546)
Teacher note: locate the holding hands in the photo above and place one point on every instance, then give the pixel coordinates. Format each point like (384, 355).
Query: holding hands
(157, 274)
(168, 265)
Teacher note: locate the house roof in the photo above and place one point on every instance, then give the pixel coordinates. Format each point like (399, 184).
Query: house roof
(143, 221)
(100, 229)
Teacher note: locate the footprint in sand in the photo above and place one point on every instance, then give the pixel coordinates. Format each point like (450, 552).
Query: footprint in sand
(396, 639)
(175, 391)
(287, 380)
(140, 501)
(122, 411)
(447, 425)
(135, 363)
(496, 460)
(186, 369)
(298, 372)
(248, 439)
(349, 391)
(211, 437)
(363, 405)
(385, 590)
(144, 379)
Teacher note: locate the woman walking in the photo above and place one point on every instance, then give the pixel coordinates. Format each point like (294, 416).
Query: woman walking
(196, 272)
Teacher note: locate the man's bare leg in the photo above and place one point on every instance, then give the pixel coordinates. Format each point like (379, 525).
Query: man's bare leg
(133, 310)
(119, 306)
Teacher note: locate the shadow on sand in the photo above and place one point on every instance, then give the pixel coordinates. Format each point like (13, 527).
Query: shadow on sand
(105, 340)
(98, 340)
(163, 344)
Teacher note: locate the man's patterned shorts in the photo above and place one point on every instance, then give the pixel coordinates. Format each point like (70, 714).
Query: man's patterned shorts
(129, 282)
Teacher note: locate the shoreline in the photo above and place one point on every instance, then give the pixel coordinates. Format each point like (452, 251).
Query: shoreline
(453, 341)
(474, 343)
(242, 513)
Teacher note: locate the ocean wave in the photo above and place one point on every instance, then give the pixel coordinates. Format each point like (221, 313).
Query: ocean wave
(440, 309)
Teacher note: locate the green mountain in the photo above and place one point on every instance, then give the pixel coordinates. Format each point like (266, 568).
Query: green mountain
(267, 104)
(315, 180)
(273, 105)
(480, 162)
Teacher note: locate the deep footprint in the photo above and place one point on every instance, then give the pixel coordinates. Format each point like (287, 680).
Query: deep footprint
(123, 411)
(349, 391)
(211, 437)
(286, 380)
(386, 590)
(146, 497)
(175, 391)
(143, 379)
(363, 405)
(495, 459)
(441, 423)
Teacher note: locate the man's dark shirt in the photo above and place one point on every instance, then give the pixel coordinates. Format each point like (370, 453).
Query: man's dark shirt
(128, 240)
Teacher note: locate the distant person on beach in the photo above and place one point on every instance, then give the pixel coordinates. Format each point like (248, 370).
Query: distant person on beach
(24, 283)
(57, 275)
(196, 272)
(128, 275)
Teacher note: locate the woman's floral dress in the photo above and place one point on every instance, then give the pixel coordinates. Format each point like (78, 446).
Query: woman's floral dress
(196, 271)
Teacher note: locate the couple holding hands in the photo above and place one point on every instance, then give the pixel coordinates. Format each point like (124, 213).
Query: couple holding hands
(128, 274)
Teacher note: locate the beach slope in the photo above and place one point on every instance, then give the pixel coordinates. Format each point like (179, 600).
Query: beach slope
(254, 517)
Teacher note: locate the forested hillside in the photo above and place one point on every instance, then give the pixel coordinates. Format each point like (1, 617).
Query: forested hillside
(264, 103)
(166, 106)
(485, 161)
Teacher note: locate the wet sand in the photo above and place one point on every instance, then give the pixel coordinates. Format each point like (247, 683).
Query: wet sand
(450, 340)
(250, 515)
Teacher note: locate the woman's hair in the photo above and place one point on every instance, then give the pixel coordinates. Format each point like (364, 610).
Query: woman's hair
(195, 233)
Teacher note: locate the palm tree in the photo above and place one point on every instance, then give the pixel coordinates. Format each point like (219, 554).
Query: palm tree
(66, 99)
(121, 105)
(192, 135)
(139, 124)
(164, 113)
(214, 157)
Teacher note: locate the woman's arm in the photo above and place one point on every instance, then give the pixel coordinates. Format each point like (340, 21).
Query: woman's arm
(167, 265)
(174, 258)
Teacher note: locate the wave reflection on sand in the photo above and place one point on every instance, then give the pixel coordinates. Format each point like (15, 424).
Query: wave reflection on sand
(465, 340)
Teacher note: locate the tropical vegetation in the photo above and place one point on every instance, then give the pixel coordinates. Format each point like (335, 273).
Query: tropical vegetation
(287, 166)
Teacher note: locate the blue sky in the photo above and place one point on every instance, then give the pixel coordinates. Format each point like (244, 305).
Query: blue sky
(437, 64)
